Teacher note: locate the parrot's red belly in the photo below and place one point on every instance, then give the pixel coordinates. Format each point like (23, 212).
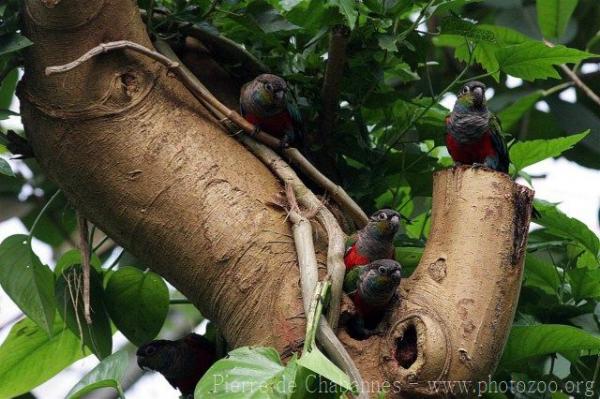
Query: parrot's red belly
(469, 153)
(276, 125)
(353, 259)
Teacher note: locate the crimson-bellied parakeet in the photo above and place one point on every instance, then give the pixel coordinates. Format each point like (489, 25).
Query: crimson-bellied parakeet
(473, 133)
(266, 103)
(374, 241)
(182, 362)
(372, 288)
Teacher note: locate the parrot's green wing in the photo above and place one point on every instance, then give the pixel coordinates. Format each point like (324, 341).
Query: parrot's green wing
(297, 121)
(351, 279)
(351, 240)
(499, 142)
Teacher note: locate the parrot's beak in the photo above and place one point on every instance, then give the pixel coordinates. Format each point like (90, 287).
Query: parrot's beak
(479, 95)
(279, 95)
(395, 220)
(396, 276)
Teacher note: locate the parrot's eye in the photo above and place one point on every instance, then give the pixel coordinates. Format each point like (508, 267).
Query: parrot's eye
(382, 216)
(269, 87)
(381, 270)
(465, 90)
(150, 351)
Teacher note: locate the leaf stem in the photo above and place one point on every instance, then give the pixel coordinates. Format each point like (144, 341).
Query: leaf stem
(180, 302)
(44, 209)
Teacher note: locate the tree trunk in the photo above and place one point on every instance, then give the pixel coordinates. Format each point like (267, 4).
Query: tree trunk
(138, 156)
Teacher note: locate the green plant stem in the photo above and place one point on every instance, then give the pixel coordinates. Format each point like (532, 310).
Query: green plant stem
(483, 75)
(117, 259)
(556, 89)
(100, 243)
(180, 302)
(39, 216)
(316, 308)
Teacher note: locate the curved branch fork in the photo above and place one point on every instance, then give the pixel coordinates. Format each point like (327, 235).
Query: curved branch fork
(457, 308)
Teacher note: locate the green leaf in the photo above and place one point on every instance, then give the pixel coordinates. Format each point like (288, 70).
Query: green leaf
(525, 153)
(73, 257)
(245, 373)
(5, 169)
(26, 281)
(107, 374)
(534, 60)
(559, 223)
(98, 335)
(529, 341)
(553, 16)
(387, 42)
(7, 88)
(585, 283)
(29, 357)
(510, 115)
(318, 363)
(6, 113)
(13, 42)
(137, 302)
(542, 275)
(348, 9)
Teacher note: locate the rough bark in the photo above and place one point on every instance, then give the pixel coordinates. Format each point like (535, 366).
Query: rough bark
(137, 155)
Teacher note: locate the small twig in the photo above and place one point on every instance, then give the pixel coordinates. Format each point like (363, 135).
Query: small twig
(330, 92)
(111, 46)
(577, 80)
(206, 97)
(84, 248)
(211, 8)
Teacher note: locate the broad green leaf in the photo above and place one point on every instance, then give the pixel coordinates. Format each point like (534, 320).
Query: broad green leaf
(107, 374)
(5, 169)
(585, 283)
(542, 275)
(525, 153)
(245, 373)
(7, 89)
(137, 303)
(510, 115)
(553, 16)
(26, 281)
(348, 10)
(29, 357)
(13, 42)
(73, 257)
(559, 223)
(318, 363)
(529, 341)
(534, 60)
(409, 256)
(69, 294)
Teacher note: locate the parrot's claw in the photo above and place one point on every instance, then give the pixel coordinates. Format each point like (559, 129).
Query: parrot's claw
(255, 131)
(284, 143)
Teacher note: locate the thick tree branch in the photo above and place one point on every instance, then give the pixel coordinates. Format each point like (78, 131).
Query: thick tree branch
(330, 92)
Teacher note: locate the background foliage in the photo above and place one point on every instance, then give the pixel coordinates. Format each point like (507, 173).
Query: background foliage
(404, 56)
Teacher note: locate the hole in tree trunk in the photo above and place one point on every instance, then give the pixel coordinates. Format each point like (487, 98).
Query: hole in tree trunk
(406, 347)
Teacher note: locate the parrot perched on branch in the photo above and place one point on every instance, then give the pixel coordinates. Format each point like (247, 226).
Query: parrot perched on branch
(182, 362)
(473, 133)
(372, 288)
(266, 103)
(374, 241)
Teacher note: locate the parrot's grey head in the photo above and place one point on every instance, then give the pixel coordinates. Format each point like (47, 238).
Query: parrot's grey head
(156, 355)
(388, 269)
(386, 221)
(379, 281)
(273, 89)
(472, 96)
